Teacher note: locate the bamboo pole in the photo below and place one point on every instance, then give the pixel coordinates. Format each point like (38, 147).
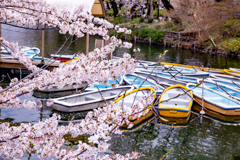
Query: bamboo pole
(43, 36)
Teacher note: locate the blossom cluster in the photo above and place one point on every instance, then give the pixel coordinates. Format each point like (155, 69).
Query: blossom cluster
(46, 137)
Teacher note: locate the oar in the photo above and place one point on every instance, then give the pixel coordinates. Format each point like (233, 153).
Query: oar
(227, 93)
(217, 86)
(236, 84)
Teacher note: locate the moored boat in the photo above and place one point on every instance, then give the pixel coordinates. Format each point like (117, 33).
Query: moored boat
(88, 100)
(229, 83)
(225, 119)
(65, 88)
(172, 76)
(96, 85)
(139, 81)
(225, 77)
(166, 82)
(174, 122)
(232, 72)
(174, 103)
(143, 98)
(215, 101)
(196, 68)
(63, 58)
(235, 93)
(234, 69)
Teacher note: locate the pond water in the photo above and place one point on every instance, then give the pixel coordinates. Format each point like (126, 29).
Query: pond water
(211, 139)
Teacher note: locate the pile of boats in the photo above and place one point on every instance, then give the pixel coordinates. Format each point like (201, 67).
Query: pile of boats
(177, 90)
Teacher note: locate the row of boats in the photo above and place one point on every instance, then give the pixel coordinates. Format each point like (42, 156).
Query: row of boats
(176, 87)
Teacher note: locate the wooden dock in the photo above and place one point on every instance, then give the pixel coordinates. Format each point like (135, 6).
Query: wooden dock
(14, 64)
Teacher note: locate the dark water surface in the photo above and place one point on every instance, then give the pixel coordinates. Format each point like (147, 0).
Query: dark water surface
(210, 139)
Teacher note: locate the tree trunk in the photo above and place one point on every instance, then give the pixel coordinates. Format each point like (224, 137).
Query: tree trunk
(167, 4)
(114, 7)
(108, 6)
(175, 18)
(157, 11)
(151, 9)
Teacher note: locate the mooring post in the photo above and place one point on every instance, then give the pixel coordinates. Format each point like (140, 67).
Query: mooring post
(99, 43)
(43, 36)
(87, 43)
(109, 55)
(0, 43)
(150, 40)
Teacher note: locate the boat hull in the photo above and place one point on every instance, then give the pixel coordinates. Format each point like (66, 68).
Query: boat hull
(217, 108)
(83, 107)
(65, 88)
(179, 107)
(138, 123)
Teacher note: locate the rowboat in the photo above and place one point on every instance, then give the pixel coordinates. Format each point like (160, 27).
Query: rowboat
(88, 100)
(38, 58)
(196, 68)
(215, 101)
(151, 68)
(225, 77)
(139, 123)
(63, 58)
(166, 82)
(229, 83)
(198, 74)
(224, 119)
(175, 77)
(174, 103)
(235, 69)
(138, 82)
(28, 51)
(235, 93)
(136, 97)
(174, 122)
(96, 85)
(65, 88)
(232, 72)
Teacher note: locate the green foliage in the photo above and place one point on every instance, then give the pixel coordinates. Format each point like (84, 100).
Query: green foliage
(156, 35)
(119, 19)
(110, 12)
(150, 20)
(161, 12)
(168, 25)
(141, 20)
(232, 45)
(136, 20)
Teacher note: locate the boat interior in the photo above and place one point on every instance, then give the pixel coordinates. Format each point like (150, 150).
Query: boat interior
(181, 102)
(90, 96)
(133, 98)
(219, 99)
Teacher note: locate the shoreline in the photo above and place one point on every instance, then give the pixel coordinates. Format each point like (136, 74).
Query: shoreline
(183, 46)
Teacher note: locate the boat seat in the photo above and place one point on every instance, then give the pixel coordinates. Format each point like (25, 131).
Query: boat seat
(214, 98)
(113, 94)
(176, 103)
(101, 86)
(135, 82)
(90, 98)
